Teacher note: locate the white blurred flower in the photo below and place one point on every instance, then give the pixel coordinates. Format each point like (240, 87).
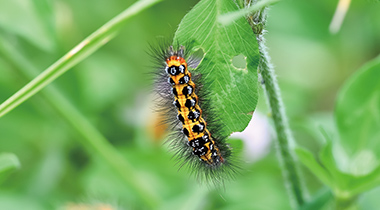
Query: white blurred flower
(256, 137)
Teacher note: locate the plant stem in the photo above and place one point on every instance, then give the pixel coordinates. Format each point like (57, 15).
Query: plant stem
(74, 56)
(284, 136)
(287, 159)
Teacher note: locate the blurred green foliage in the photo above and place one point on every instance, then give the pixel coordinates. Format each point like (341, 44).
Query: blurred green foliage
(112, 90)
(350, 165)
(358, 111)
(8, 163)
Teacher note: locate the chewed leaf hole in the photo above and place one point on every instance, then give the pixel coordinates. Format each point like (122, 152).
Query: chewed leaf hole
(239, 62)
(198, 56)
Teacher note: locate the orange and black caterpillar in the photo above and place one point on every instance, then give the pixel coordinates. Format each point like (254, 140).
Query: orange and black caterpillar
(187, 106)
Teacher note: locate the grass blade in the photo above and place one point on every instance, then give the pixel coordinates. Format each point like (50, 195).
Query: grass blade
(74, 56)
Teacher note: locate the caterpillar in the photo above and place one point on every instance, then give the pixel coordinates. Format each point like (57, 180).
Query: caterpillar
(187, 107)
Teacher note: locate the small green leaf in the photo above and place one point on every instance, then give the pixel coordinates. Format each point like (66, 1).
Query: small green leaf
(233, 90)
(347, 184)
(307, 158)
(341, 180)
(319, 200)
(358, 110)
(343, 185)
(365, 183)
(8, 163)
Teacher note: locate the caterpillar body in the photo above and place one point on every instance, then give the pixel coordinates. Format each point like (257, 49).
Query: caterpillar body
(195, 129)
(189, 112)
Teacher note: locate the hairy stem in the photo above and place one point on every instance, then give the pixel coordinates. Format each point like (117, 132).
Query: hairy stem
(284, 136)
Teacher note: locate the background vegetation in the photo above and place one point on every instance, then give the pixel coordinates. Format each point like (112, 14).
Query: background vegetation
(47, 163)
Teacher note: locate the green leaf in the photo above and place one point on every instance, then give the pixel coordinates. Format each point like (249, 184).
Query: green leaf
(8, 163)
(358, 110)
(365, 183)
(233, 90)
(341, 180)
(307, 158)
(347, 184)
(343, 185)
(319, 200)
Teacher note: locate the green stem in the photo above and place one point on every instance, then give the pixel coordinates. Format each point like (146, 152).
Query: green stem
(284, 137)
(287, 159)
(74, 56)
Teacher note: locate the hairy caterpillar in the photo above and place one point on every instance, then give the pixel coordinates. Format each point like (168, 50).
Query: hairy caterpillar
(186, 106)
